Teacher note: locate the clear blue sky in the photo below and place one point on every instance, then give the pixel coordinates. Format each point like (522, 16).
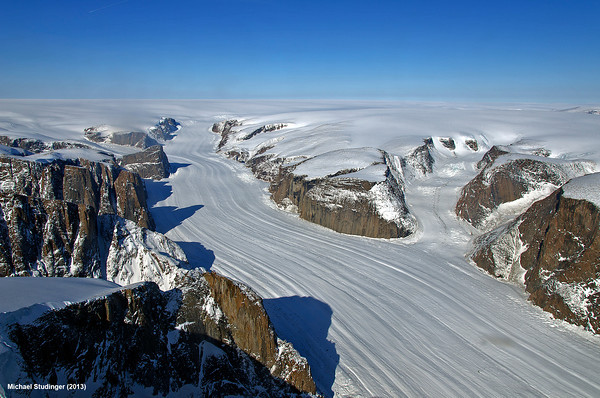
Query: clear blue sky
(526, 50)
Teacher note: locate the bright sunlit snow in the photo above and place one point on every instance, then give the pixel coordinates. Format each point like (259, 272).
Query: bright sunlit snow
(373, 317)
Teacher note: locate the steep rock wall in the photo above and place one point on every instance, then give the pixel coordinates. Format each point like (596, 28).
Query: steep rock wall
(507, 178)
(343, 205)
(58, 218)
(106, 188)
(136, 341)
(554, 247)
(150, 163)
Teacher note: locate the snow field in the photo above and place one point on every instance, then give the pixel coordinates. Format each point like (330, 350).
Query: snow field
(373, 317)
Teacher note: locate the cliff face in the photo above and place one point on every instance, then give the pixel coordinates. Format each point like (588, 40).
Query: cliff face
(164, 130)
(47, 237)
(347, 203)
(253, 333)
(553, 248)
(137, 139)
(150, 163)
(144, 341)
(107, 189)
(507, 177)
(51, 213)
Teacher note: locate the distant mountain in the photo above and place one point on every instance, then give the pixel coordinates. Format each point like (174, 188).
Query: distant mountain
(358, 191)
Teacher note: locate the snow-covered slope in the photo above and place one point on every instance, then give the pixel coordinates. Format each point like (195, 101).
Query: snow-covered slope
(373, 317)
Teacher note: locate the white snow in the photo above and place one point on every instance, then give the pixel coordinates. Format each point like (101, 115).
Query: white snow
(23, 292)
(585, 188)
(330, 163)
(66, 154)
(137, 254)
(373, 317)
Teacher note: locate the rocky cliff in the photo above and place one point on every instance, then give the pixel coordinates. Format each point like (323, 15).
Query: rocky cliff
(553, 248)
(365, 197)
(150, 163)
(164, 130)
(50, 214)
(103, 135)
(188, 341)
(202, 335)
(346, 205)
(509, 182)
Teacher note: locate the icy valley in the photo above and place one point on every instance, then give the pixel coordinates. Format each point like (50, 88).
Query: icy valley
(400, 249)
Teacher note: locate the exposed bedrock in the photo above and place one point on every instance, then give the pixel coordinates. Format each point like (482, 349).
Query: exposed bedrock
(141, 340)
(343, 204)
(252, 332)
(164, 130)
(373, 207)
(554, 249)
(150, 163)
(136, 139)
(508, 177)
(50, 214)
(106, 188)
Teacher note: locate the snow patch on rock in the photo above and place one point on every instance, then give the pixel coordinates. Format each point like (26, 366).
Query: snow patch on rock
(585, 188)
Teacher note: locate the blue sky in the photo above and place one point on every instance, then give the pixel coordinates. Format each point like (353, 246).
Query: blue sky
(527, 50)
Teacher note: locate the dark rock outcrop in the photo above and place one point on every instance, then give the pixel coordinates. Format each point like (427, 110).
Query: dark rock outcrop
(553, 248)
(339, 201)
(106, 188)
(506, 177)
(342, 204)
(472, 144)
(164, 129)
(265, 129)
(47, 237)
(51, 212)
(448, 142)
(421, 158)
(224, 129)
(253, 333)
(150, 163)
(143, 341)
(490, 156)
(136, 139)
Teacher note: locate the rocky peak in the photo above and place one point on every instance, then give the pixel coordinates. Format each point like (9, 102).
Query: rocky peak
(105, 135)
(224, 128)
(553, 250)
(164, 129)
(141, 340)
(421, 158)
(508, 177)
(150, 163)
(490, 156)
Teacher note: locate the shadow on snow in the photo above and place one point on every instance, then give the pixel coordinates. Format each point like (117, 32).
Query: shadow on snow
(176, 166)
(197, 254)
(168, 217)
(305, 322)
